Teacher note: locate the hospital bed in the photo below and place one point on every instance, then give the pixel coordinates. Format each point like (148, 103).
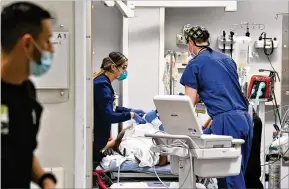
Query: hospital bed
(130, 170)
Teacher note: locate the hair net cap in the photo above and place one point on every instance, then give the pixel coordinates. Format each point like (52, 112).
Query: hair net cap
(196, 33)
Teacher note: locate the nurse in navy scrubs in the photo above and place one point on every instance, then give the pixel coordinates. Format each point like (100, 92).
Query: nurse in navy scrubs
(113, 67)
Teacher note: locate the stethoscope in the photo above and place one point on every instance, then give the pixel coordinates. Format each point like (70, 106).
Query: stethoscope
(202, 50)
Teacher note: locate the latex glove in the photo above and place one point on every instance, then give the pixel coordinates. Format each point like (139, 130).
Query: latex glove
(207, 131)
(141, 113)
(150, 116)
(138, 119)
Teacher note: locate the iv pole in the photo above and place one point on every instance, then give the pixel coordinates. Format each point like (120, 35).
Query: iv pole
(171, 53)
(171, 81)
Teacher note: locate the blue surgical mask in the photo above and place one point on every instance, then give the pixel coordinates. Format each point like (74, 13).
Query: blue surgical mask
(122, 76)
(39, 69)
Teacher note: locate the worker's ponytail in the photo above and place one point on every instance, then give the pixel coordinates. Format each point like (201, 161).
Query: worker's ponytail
(113, 58)
(96, 74)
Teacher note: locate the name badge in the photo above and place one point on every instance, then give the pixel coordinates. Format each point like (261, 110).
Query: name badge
(115, 102)
(4, 120)
(201, 108)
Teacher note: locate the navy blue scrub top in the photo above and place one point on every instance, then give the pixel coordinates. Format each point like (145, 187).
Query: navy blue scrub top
(104, 114)
(214, 76)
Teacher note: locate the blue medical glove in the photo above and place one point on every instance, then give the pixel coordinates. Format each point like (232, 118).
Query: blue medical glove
(150, 116)
(141, 113)
(207, 130)
(161, 127)
(138, 119)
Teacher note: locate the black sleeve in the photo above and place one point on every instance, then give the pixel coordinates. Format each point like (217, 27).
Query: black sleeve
(31, 89)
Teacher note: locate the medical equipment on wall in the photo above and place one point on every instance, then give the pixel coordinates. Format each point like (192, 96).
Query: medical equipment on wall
(126, 11)
(227, 42)
(248, 26)
(266, 43)
(180, 39)
(241, 55)
(182, 59)
(170, 72)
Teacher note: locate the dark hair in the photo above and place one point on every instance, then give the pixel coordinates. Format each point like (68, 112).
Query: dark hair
(116, 58)
(18, 19)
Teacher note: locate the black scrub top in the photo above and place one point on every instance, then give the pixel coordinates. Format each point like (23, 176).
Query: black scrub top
(20, 117)
(104, 113)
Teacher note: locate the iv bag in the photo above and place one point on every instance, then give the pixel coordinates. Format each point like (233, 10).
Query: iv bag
(242, 51)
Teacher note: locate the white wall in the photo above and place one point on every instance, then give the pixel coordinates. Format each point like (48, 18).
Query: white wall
(106, 38)
(143, 77)
(56, 135)
(106, 34)
(216, 20)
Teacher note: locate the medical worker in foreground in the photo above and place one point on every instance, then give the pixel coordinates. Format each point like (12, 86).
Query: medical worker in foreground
(213, 76)
(112, 68)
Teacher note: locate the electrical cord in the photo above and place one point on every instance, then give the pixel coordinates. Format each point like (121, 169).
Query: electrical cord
(119, 167)
(177, 143)
(232, 42)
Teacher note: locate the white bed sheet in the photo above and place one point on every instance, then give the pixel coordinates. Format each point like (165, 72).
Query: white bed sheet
(132, 166)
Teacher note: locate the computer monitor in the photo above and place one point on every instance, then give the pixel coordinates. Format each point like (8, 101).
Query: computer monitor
(177, 115)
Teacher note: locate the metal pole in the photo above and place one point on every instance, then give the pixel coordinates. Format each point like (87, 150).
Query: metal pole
(171, 74)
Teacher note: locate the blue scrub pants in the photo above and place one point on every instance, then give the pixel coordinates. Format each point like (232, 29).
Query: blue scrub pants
(239, 125)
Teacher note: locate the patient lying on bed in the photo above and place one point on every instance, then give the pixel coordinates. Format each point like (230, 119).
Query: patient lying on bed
(132, 144)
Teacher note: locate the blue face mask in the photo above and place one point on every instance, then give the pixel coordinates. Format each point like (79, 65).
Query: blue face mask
(38, 69)
(122, 76)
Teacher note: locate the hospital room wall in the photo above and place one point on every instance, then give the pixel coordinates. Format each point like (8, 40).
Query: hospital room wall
(106, 38)
(143, 53)
(107, 35)
(56, 135)
(216, 20)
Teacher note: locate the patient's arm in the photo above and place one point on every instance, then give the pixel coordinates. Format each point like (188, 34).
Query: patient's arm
(119, 137)
(163, 159)
(114, 144)
(208, 123)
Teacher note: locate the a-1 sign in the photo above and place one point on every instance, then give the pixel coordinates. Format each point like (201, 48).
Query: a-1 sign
(58, 76)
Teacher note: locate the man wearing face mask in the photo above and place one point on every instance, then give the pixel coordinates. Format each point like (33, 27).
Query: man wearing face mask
(213, 76)
(113, 67)
(26, 50)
